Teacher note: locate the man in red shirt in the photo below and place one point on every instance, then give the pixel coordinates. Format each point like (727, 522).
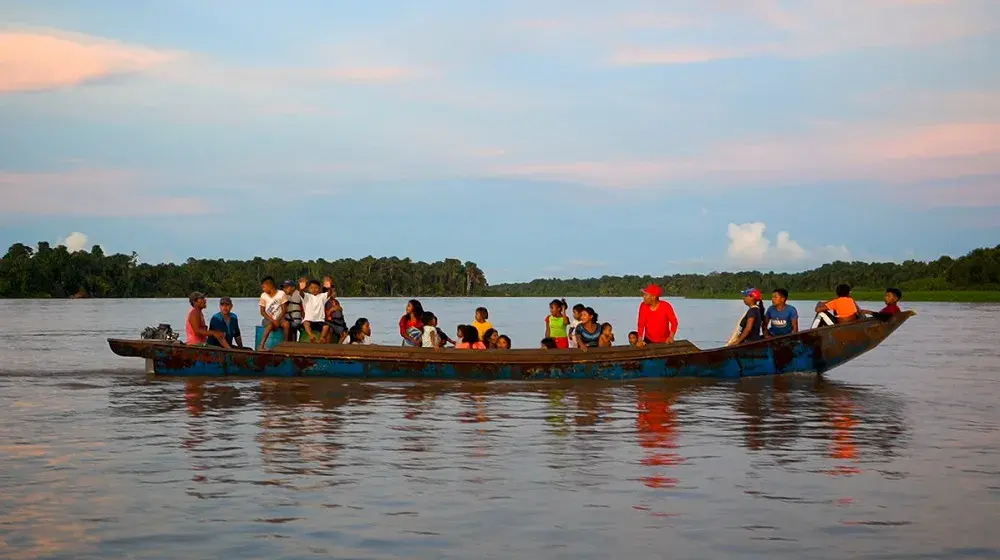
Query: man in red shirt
(657, 321)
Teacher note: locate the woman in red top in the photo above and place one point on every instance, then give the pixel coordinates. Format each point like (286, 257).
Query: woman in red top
(657, 321)
(410, 325)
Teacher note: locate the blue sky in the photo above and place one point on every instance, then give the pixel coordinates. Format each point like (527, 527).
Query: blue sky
(553, 138)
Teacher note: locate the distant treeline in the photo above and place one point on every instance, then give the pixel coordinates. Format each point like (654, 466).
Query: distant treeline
(55, 272)
(978, 270)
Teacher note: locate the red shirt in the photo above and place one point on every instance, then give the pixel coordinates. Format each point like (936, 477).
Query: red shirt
(890, 309)
(656, 325)
(406, 322)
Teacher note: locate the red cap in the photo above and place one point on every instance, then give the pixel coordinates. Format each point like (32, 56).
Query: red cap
(653, 290)
(753, 293)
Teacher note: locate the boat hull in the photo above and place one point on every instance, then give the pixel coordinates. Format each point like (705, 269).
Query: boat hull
(811, 351)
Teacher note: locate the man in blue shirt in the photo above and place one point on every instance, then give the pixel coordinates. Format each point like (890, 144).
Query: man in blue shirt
(780, 318)
(225, 321)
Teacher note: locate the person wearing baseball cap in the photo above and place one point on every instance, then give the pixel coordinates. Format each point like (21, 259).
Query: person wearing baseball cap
(657, 320)
(225, 321)
(752, 323)
(197, 331)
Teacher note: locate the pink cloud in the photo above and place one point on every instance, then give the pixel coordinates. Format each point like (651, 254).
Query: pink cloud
(38, 61)
(952, 140)
(635, 56)
(829, 152)
(813, 29)
(89, 192)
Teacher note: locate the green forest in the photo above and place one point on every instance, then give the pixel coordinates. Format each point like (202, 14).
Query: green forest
(48, 271)
(55, 272)
(943, 279)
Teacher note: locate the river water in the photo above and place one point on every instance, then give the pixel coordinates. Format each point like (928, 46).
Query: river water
(895, 455)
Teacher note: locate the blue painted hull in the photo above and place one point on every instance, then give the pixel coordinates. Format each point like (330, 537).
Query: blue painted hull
(811, 351)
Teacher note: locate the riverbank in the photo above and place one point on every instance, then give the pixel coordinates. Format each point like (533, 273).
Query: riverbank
(953, 296)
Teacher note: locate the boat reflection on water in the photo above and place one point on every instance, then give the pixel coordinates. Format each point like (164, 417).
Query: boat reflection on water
(302, 427)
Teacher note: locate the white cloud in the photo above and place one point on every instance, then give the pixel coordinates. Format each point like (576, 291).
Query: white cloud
(74, 242)
(749, 246)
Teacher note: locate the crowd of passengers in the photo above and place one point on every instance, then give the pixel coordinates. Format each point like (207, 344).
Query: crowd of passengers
(310, 311)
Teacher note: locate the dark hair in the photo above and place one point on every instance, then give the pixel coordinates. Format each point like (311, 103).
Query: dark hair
(360, 322)
(593, 314)
(487, 335)
(470, 334)
(314, 281)
(549, 343)
(418, 309)
(781, 292)
(560, 302)
(844, 290)
(268, 279)
(579, 307)
(484, 312)
(894, 291)
(356, 334)
(504, 337)
(606, 325)
(633, 333)
(427, 318)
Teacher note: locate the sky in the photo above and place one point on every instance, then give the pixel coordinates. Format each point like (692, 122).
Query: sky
(544, 138)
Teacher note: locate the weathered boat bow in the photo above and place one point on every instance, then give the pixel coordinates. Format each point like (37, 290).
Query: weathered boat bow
(810, 351)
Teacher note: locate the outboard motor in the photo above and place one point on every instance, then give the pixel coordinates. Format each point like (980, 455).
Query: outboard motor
(161, 332)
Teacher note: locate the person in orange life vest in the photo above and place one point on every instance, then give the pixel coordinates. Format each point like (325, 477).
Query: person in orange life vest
(842, 309)
(657, 321)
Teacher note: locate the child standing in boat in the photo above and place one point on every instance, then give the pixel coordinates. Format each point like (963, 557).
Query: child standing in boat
(557, 323)
(482, 323)
(430, 338)
(575, 323)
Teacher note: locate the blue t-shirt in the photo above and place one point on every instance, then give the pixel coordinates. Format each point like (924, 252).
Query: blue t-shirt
(232, 328)
(780, 322)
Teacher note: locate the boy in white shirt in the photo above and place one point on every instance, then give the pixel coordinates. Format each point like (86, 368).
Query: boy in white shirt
(314, 311)
(273, 306)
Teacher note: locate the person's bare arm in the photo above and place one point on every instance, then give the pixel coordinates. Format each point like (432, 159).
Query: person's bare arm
(821, 307)
(546, 328)
(795, 325)
(746, 331)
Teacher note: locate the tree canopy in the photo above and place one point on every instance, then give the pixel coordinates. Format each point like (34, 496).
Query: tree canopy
(978, 270)
(55, 272)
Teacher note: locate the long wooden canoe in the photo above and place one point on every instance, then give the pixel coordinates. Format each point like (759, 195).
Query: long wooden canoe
(810, 351)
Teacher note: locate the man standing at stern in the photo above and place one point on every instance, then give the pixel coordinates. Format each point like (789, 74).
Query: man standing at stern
(657, 321)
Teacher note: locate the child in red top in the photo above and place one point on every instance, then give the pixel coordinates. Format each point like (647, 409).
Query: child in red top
(892, 297)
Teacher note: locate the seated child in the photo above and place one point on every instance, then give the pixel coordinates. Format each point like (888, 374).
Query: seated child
(549, 343)
(469, 336)
(780, 318)
(892, 297)
(503, 343)
(313, 312)
(293, 312)
(633, 338)
(842, 309)
(607, 338)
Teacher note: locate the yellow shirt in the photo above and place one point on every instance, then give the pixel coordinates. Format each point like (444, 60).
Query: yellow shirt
(482, 328)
